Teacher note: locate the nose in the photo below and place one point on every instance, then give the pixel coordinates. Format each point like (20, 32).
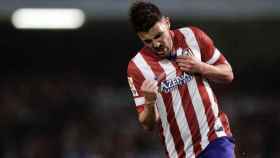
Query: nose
(156, 44)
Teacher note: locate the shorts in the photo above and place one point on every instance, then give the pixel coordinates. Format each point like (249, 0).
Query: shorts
(220, 148)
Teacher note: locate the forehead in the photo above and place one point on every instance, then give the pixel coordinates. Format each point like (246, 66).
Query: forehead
(158, 27)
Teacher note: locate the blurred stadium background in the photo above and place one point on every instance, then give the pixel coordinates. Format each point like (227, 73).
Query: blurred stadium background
(64, 93)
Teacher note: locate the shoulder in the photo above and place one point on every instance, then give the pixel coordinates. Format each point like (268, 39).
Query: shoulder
(133, 64)
(131, 61)
(192, 31)
(195, 28)
(141, 58)
(198, 34)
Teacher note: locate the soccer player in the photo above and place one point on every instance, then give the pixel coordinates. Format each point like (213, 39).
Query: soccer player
(169, 77)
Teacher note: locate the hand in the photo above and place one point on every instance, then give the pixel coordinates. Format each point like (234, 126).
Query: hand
(189, 64)
(150, 90)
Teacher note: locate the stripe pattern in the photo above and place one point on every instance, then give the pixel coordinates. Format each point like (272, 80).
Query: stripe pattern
(189, 114)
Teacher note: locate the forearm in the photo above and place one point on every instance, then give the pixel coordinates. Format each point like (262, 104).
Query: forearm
(147, 118)
(218, 73)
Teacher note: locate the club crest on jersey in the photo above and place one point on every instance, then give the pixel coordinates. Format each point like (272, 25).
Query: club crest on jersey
(181, 52)
(171, 84)
(185, 51)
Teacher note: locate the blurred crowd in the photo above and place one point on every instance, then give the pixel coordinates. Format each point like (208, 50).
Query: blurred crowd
(72, 116)
(68, 117)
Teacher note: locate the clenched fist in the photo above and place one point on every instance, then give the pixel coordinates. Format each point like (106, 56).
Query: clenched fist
(150, 90)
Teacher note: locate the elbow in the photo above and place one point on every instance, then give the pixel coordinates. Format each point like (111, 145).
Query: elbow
(228, 74)
(225, 79)
(148, 126)
(229, 78)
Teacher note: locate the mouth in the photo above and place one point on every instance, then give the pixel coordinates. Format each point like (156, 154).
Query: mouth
(161, 51)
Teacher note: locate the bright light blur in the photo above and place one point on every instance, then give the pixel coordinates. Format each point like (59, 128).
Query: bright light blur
(32, 18)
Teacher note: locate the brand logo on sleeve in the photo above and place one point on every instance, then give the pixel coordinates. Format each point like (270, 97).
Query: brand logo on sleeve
(132, 87)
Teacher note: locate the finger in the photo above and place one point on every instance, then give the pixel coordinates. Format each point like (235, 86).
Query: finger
(183, 57)
(151, 84)
(154, 87)
(145, 83)
(180, 60)
(160, 77)
(186, 60)
(185, 67)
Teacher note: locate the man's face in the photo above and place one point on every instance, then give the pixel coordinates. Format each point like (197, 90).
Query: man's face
(158, 38)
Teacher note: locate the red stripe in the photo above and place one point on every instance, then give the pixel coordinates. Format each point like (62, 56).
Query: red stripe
(225, 123)
(167, 98)
(136, 74)
(207, 107)
(162, 138)
(220, 60)
(140, 108)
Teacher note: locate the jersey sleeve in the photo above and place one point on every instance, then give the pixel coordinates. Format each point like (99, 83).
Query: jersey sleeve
(135, 80)
(209, 53)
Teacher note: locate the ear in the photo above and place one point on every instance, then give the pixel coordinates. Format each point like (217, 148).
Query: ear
(167, 22)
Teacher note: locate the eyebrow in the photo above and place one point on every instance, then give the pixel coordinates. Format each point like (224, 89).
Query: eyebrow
(155, 37)
(158, 35)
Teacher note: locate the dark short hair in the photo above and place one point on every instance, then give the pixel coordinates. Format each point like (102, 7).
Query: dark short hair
(144, 15)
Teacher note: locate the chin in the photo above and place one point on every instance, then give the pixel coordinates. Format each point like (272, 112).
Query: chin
(165, 55)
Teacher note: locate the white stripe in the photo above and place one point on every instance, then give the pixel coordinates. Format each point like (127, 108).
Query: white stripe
(149, 74)
(143, 66)
(212, 99)
(169, 142)
(218, 124)
(180, 117)
(199, 111)
(191, 41)
(216, 55)
(139, 101)
(215, 109)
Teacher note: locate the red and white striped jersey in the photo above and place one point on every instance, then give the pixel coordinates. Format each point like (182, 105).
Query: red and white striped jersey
(187, 107)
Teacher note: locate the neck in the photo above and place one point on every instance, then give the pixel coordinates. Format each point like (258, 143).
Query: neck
(172, 53)
(172, 34)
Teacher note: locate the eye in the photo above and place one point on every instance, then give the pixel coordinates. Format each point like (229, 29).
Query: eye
(158, 35)
(148, 41)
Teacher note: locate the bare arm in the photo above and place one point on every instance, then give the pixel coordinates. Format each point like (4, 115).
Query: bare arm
(221, 73)
(148, 116)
